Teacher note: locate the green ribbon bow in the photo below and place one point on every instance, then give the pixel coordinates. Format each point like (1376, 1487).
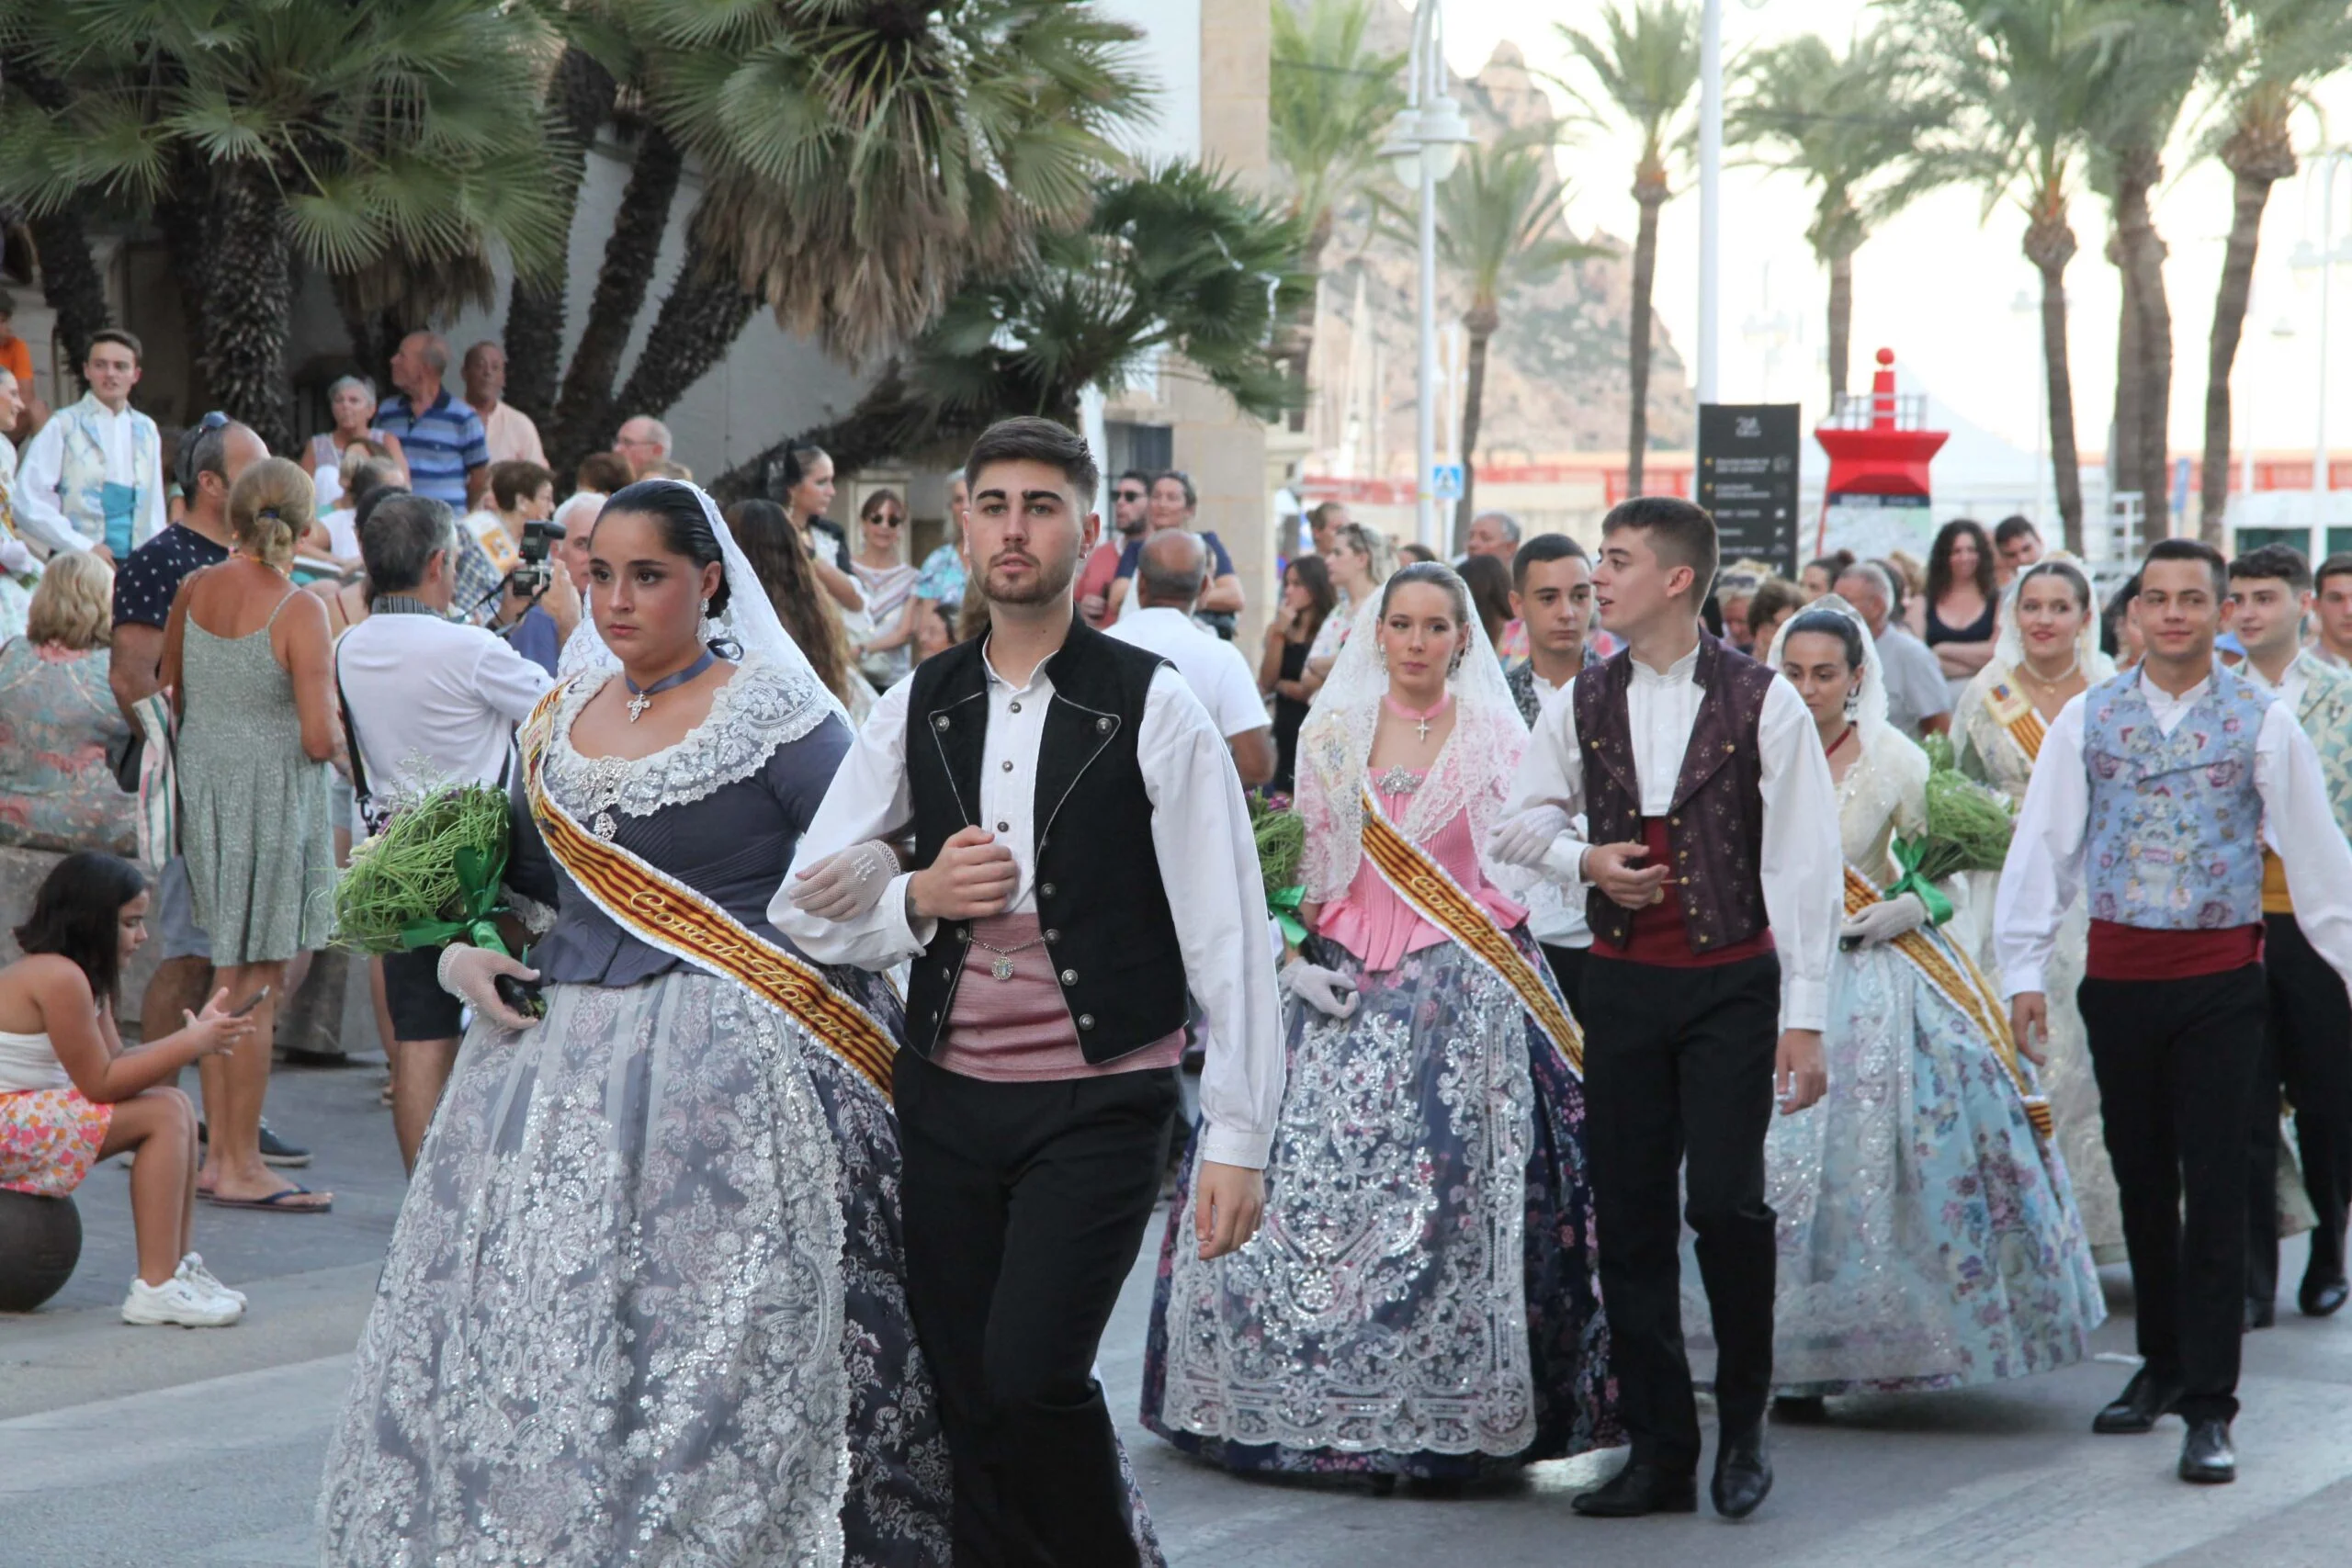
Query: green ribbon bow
(1908, 854)
(478, 906)
(1283, 904)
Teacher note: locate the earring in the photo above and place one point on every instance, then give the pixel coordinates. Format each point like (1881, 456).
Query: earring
(1853, 703)
(705, 609)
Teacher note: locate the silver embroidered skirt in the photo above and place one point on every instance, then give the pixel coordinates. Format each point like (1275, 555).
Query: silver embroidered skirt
(644, 1305)
(1421, 1300)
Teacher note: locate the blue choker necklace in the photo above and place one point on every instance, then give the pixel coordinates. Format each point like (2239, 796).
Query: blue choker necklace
(641, 697)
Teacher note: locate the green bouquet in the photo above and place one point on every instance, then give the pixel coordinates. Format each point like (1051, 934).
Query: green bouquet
(1281, 833)
(431, 876)
(1968, 829)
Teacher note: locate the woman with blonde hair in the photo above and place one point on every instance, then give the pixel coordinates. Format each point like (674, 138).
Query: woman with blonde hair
(245, 656)
(56, 789)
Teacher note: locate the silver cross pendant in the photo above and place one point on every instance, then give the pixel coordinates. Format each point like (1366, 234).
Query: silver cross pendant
(638, 705)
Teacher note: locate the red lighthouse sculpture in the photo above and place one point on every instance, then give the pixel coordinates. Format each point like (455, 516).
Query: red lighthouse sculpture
(1879, 454)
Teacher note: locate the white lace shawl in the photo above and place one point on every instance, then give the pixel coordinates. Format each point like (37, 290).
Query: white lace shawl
(1472, 772)
(759, 709)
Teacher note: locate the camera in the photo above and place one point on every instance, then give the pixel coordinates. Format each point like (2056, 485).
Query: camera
(531, 578)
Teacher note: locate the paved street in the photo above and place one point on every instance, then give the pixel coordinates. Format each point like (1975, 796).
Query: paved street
(201, 1450)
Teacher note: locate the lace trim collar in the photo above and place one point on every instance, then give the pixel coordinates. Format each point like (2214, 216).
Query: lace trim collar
(758, 710)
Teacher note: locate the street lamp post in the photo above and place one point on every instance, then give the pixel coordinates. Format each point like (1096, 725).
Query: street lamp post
(1424, 142)
(1711, 169)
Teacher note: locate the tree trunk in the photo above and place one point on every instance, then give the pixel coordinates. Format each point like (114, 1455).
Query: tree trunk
(2257, 159)
(704, 312)
(375, 338)
(2123, 441)
(580, 99)
(1841, 324)
(250, 301)
(584, 410)
(2050, 246)
(2143, 259)
(71, 284)
(1651, 195)
(1479, 323)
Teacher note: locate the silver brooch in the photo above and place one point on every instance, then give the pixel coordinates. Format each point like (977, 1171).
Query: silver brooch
(1398, 781)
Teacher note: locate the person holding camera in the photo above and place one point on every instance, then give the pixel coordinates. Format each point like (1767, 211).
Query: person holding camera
(428, 701)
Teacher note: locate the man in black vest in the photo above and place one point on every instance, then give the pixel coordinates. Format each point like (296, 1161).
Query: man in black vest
(1715, 892)
(1082, 859)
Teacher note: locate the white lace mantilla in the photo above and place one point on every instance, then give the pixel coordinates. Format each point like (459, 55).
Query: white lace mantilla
(757, 711)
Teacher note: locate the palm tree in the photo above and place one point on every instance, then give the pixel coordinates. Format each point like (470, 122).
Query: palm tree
(2033, 69)
(1854, 128)
(859, 159)
(293, 132)
(2277, 50)
(1329, 100)
(1176, 260)
(1644, 70)
(1499, 226)
(2155, 62)
(580, 96)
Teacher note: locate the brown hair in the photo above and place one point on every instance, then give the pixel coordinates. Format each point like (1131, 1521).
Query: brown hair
(513, 483)
(72, 603)
(1772, 595)
(781, 562)
(1681, 533)
(607, 473)
(1031, 439)
(270, 506)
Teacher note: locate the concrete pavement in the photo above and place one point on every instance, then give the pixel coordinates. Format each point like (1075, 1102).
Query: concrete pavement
(122, 1446)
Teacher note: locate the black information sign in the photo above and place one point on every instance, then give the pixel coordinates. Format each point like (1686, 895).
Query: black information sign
(1747, 478)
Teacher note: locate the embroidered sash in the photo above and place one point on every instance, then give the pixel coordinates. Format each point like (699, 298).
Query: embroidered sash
(2014, 712)
(1952, 973)
(666, 914)
(1441, 901)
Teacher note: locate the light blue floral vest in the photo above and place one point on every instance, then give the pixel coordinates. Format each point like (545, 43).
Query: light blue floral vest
(2176, 826)
(112, 514)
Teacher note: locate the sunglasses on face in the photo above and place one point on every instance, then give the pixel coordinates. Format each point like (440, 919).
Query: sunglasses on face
(887, 519)
(1131, 495)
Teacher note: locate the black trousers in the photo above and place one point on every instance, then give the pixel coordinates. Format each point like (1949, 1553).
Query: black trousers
(1024, 1207)
(1680, 1060)
(2176, 1062)
(2307, 1056)
(1567, 967)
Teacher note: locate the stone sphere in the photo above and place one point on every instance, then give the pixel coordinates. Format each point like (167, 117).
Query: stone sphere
(40, 1241)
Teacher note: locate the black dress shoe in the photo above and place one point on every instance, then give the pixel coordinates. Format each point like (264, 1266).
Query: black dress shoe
(1743, 1475)
(2143, 1399)
(2260, 1313)
(1639, 1488)
(2206, 1456)
(2323, 1298)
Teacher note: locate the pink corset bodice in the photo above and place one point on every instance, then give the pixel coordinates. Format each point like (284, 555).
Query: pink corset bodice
(1380, 929)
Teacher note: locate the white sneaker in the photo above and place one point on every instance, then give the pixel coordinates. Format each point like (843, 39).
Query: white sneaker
(180, 1302)
(193, 1270)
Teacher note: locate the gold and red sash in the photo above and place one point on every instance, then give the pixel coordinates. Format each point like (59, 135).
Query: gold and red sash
(666, 914)
(2016, 713)
(1445, 904)
(1950, 971)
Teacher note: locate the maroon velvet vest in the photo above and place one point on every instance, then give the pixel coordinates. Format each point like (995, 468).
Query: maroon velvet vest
(1715, 828)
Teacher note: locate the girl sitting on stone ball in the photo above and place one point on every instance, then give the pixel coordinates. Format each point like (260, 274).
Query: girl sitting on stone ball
(71, 1095)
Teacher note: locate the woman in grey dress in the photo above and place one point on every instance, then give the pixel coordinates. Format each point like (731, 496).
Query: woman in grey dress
(246, 658)
(645, 1299)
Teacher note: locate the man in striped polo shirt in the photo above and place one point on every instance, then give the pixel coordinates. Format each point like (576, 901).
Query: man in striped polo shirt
(448, 458)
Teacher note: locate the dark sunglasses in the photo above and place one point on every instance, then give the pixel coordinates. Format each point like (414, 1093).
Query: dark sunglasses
(887, 519)
(1132, 495)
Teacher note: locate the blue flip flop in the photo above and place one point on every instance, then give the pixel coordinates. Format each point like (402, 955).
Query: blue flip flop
(275, 1204)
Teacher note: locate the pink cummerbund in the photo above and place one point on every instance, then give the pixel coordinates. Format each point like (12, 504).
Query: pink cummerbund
(1019, 1030)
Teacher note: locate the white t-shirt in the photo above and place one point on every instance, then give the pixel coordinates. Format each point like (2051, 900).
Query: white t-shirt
(432, 701)
(1214, 668)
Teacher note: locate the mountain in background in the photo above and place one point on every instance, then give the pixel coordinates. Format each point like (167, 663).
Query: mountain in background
(1556, 375)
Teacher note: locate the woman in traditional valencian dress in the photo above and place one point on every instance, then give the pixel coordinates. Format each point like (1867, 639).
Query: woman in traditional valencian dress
(1927, 1232)
(644, 1301)
(2048, 652)
(1421, 1300)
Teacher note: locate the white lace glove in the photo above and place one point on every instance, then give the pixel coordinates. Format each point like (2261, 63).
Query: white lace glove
(1328, 991)
(1523, 840)
(847, 885)
(470, 975)
(1885, 920)
(15, 558)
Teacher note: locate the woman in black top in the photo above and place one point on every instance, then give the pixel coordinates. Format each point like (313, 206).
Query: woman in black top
(1961, 599)
(1307, 600)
